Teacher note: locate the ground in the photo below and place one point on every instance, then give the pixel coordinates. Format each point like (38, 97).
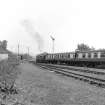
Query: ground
(42, 87)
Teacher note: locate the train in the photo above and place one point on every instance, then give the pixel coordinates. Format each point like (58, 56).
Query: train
(91, 58)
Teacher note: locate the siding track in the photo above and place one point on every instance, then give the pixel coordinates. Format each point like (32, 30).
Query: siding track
(92, 76)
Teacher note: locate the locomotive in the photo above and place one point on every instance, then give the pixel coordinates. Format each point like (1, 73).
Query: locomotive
(91, 58)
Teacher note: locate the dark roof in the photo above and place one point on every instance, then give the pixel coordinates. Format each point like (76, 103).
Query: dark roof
(42, 54)
(100, 50)
(3, 51)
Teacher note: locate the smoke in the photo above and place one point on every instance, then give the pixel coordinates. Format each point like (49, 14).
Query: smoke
(33, 33)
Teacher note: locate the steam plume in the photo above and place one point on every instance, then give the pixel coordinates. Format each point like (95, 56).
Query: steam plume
(34, 34)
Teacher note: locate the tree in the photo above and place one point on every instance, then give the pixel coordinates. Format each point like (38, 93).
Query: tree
(4, 44)
(84, 47)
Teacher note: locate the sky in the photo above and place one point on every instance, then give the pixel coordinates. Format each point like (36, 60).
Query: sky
(30, 23)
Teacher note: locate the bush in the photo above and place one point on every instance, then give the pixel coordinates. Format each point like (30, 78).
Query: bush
(8, 75)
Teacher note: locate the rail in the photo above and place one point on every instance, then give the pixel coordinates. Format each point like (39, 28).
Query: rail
(91, 76)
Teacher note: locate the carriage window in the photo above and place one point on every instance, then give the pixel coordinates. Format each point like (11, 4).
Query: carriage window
(68, 55)
(95, 55)
(73, 55)
(102, 54)
(60, 56)
(76, 55)
(89, 55)
(55, 56)
(64, 55)
(83, 55)
(51, 56)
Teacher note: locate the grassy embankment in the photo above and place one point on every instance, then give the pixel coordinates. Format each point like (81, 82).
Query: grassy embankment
(8, 75)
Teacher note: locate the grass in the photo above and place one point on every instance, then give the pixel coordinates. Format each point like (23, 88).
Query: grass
(41, 87)
(8, 75)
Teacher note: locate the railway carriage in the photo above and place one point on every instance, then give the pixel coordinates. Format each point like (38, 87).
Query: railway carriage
(94, 58)
(41, 58)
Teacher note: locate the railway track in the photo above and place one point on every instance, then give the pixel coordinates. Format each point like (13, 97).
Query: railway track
(93, 77)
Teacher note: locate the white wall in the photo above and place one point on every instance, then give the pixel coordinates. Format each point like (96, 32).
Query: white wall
(3, 56)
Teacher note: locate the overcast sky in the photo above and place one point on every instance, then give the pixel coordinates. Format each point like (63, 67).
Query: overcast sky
(31, 22)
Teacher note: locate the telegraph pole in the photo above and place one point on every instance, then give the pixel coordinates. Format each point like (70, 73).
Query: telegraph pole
(18, 52)
(18, 49)
(28, 50)
(53, 45)
(53, 39)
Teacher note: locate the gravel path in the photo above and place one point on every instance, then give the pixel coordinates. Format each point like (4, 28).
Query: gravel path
(41, 87)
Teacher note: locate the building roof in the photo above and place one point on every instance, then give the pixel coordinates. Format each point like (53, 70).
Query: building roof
(3, 51)
(100, 50)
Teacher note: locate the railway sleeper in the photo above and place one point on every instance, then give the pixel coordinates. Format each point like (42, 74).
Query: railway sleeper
(101, 85)
(86, 80)
(94, 72)
(93, 82)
